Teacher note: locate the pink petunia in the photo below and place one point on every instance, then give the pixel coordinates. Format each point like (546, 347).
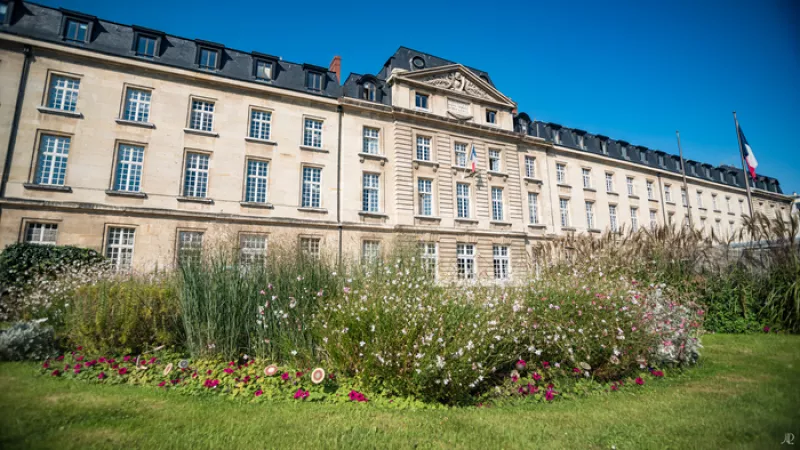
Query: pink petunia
(549, 395)
(301, 394)
(285, 376)
(123, 371)
(228, 371)
(258, 393)
(60, 358)
(536, 376)
(614, 387)
(79, 358)
(46, 365)
(126, 358)
(639, 381)
(101, 376)
(162, 384)
(55, 373)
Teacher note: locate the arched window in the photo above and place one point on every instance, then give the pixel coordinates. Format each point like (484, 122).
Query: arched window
(369, 92)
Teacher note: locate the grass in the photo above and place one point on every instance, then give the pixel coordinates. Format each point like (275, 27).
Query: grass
(743, 395)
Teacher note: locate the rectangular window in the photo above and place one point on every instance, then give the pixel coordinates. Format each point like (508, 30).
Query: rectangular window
(699, 199)
(465, 261)
(429, 258)
(501, 262)
(195, 179)
(371, 142)
(146, 46)
(309, 247)
(650, 190)
(421, 101)
(461, 154)
(629, 183)
(634, 219)
(667, 193)
(653, 220)
(714, 202)
(561, 173)
(252, 249)
(190, 247)
(564, 207)
(263, 70)
(371, 192)
(741, 206)
(76, 31)
(494, 161)
(208, 58)
(370, 252)
(202, 117)
(423, 148)
(609, 182)
(312, 184)
(643, 155)
(580, 139)
(425, 192)
(63, 94)
(257, 181)
(41, 233)
(684, 199)
(612, 218)
(491, 116)
(661, 160)
(462, 200)
(3, 13)
(497, 203)
(533, 207)
(119, 247)
(728, 204)
(624, 152)
(587, 178)
(51, 168)
(312, 133)
(589, 215)
(128, 176)
(530, 167)
(137, 105)
(260, 124)
(314, 81)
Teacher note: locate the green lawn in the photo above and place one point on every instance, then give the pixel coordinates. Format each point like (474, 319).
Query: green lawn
(745, 394)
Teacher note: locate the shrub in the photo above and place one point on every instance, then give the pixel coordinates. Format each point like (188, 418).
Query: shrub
(125, 314)
(26, 340)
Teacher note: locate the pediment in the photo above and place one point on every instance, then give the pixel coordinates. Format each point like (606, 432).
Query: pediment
(459, 80)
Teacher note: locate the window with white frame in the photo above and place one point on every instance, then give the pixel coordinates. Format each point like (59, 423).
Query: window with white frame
(257, 181)
(530, 167)
(714, 202)
(494, 161)
(208, 58)
(425, 193)
(590, 215)
(653, 220)
(51, 167)
(312, 133)
(462, 200)
(128, 176)
(612, 218)
(587, 178)
(634, 219)
(423, 148)
(667, 193)
(609, 182)
(741, 206)
(119, 247)
(497, 203)
(63, 93)
(312, 184)
(661, 160)
(190, 246)
(624, 151)
(561, 173)
(563, 204)
(76, 30)
(252, 249)
(314, 81)
(629, 183)
(699, 199)
(461, 154)
(650, 190)
(501, 262)
(533, 208)
(465, 261)
(429, 257)
(369, 92)
(421, 101)
(684, 198)
(728, 204)
(371, 142)
(41, 233)
(137, 105)
(195, 179)
(263, 70)
(202, 117)
(491, 116)
(146, 46)
(260, 124)
(309, 247)
(370, 252)
(371, 192)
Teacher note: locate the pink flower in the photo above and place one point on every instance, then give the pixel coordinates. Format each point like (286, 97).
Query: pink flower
(521, 364)
(298, 374)
(766, 329)
(60, 358)
(123, 371)
(262, 292)
(259, 392)
(614, 387)
(514, 378)
(549, 395)
(301, 394)
(576, 370)
(102, 359)
(79, 358)
(211, 384)
(152, 360)
(545, 364)
(80, 347)
(56, 373)
(228, 371)
(77, 371)
(126, 358)
(162, 384)
(356, 396)
(639, 381)
(285, 376)
(657, 373)
(231, 364)
(536, 376)
(346, 290)
(46, 365)
(101, 376)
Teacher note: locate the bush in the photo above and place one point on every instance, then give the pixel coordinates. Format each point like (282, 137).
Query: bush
(122, 314)
(26, 341)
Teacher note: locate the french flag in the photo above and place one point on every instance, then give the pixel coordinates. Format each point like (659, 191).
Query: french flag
(474, 158)
(749, 156)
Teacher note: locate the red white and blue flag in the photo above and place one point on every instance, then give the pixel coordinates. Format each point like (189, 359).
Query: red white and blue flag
(749, 156)
(473, 156)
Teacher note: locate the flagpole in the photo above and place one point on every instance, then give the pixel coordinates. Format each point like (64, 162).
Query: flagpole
(744, 166)
(685, 184)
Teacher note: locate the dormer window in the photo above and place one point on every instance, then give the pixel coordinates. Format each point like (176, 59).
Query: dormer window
(643, 156)
(76, 30)
(624, 152)
(581, 141)
(604, 147)
(491, 116)
(146, 46)
(314, 81)
(708, 172)
(661, 160)
(556, 137)
(369, 92)
(4, 13)
(209, 58)
(263, 70)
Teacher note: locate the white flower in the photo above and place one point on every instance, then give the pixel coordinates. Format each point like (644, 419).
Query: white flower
(362, 343)
(293, 352)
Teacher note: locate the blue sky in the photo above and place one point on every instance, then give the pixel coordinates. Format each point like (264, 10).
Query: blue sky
(635, 71)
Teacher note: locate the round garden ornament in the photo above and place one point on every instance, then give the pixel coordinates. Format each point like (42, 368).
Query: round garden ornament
(168, 369)
(270, 370)
(318, 375)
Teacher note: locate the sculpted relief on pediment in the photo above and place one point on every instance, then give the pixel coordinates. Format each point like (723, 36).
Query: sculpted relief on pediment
(456, 81)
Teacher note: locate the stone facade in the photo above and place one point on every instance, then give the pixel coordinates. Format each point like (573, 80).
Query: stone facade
(349, 167)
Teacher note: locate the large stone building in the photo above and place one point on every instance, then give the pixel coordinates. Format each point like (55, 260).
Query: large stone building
(145, 145)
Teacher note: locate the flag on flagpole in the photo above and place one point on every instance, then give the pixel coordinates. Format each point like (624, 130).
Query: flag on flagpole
(749, 156)
(474, 158)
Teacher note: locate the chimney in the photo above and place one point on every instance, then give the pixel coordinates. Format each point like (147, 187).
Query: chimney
(336, 67)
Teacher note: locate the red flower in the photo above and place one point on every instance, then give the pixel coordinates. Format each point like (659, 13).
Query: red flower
(545, 364)
(194, 375)
(576, 370)
(658, 373)
(298, 374)
(301, 394)
(77, 371)
(102, 359)
(80, 347)
(123, 371)
(614, 387)
(101, 376)
(126, 358)
(258, 393)
(521, 364)
(208, 372)
(285, 376)
(639, 381)
(79, 358)
(56, 373)
(45, 365)
(514, 378)
(549, 395)
(152, 360)
(766, 329)
(231, 364)
(536, 376)
(356, 396)
(162, 384)
(60, 358)
(228, 371)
